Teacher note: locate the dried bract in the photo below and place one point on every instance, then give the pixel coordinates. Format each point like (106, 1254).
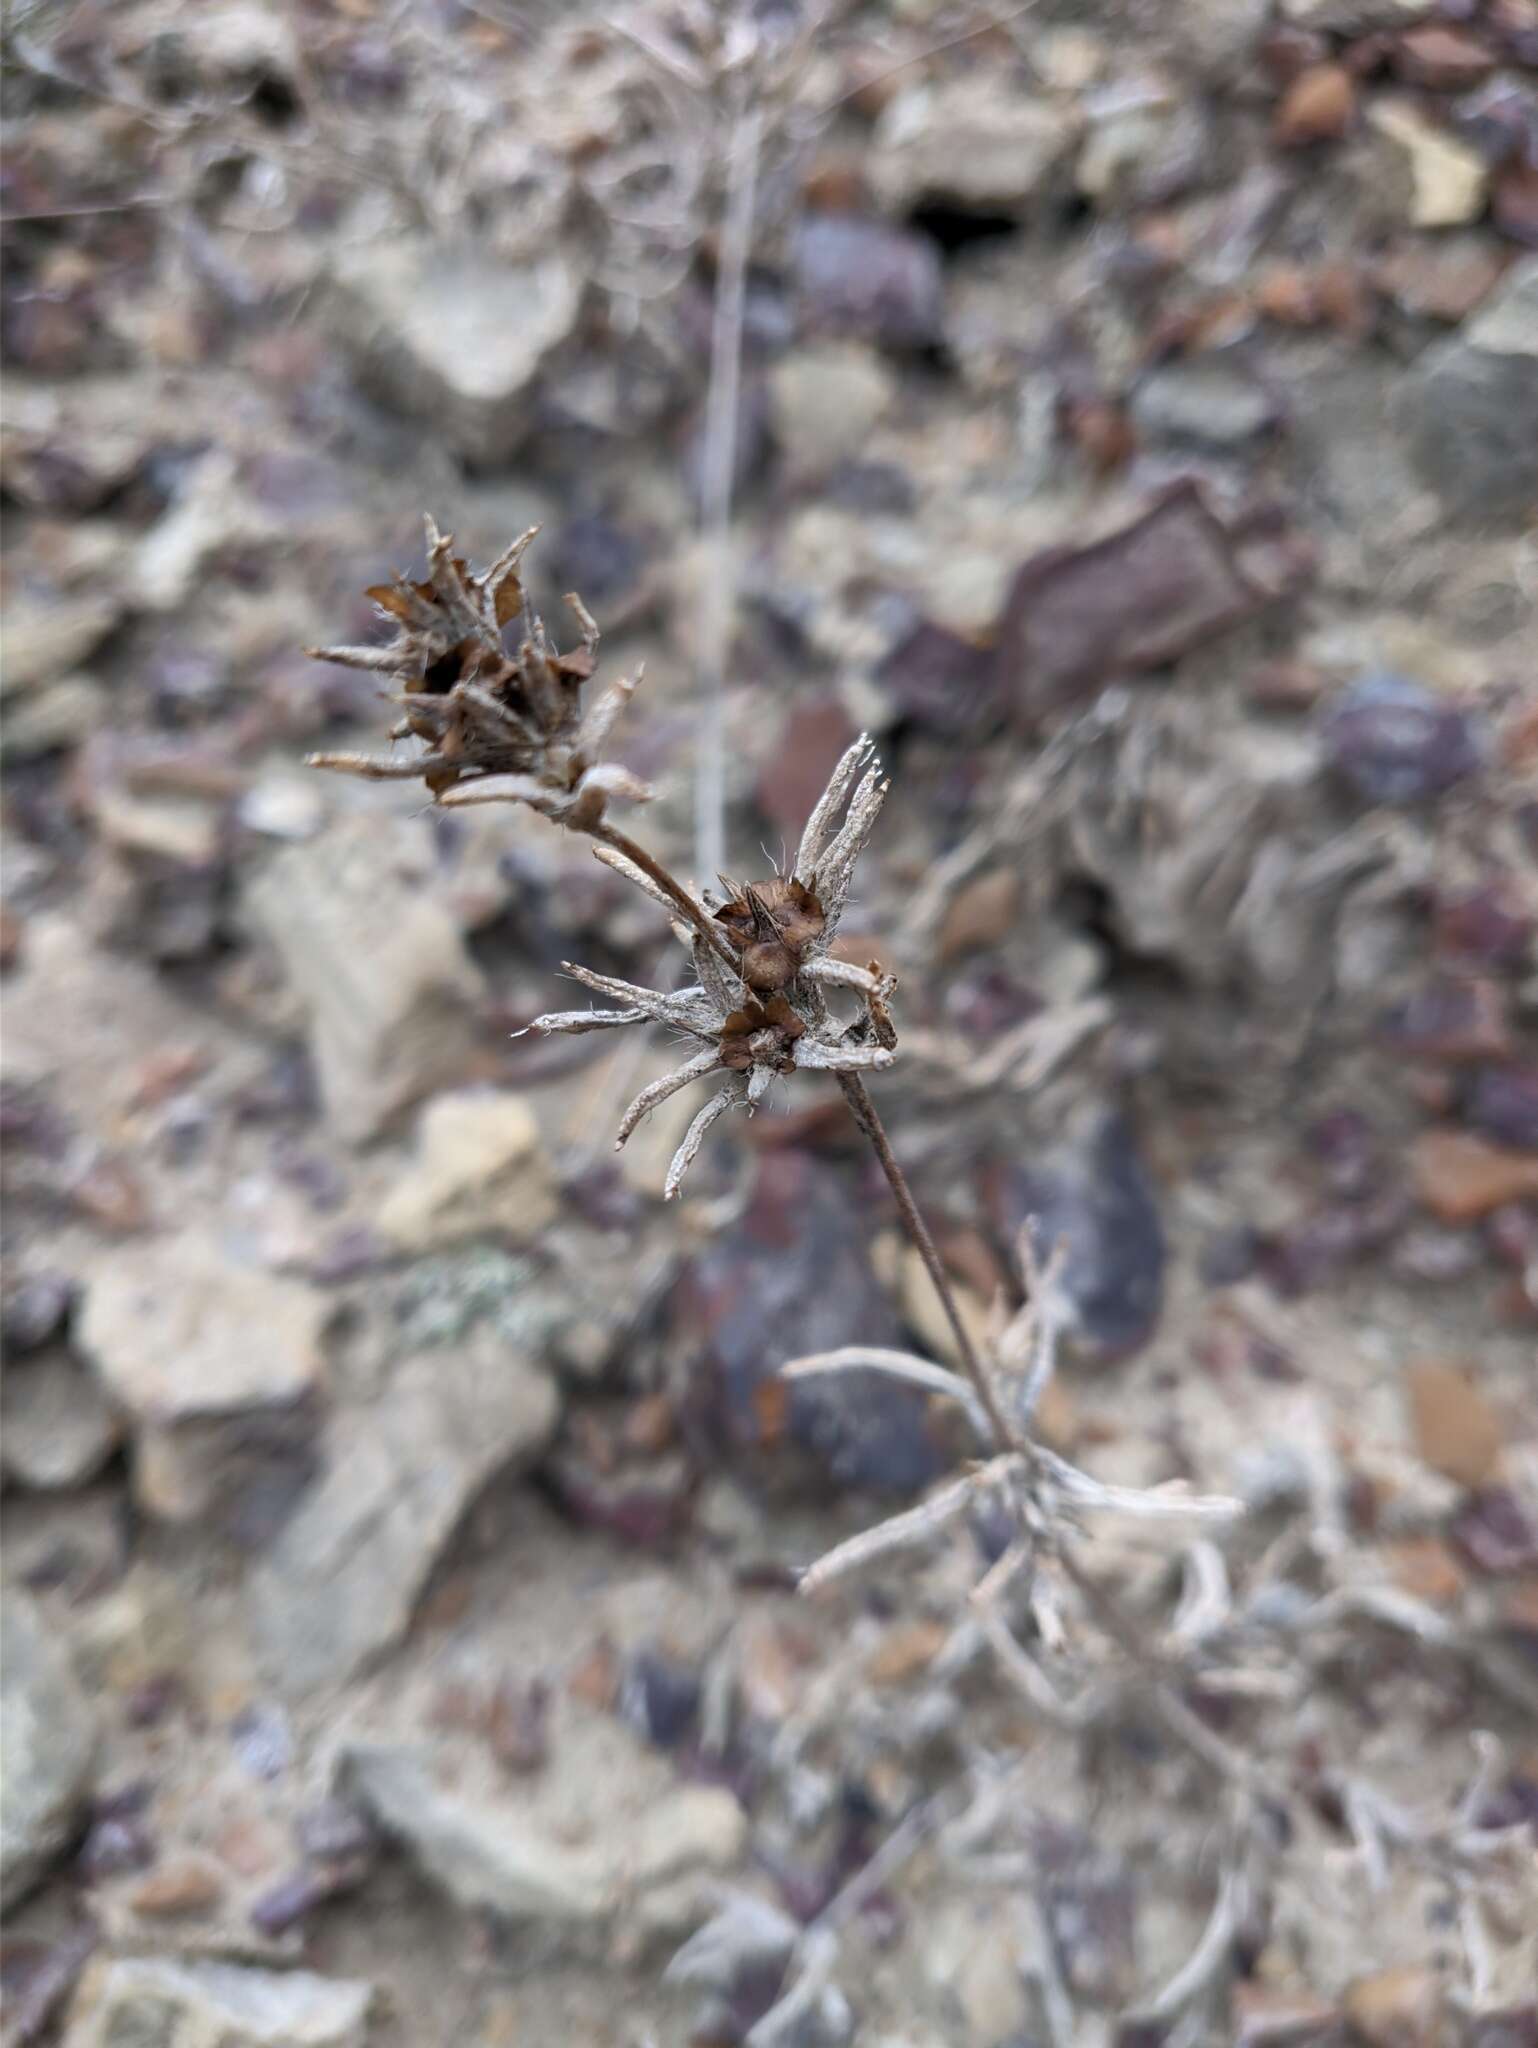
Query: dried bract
(758, 1003)
(497, 727)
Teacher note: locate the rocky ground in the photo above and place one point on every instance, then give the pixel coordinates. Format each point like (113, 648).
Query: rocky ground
(1138, 434)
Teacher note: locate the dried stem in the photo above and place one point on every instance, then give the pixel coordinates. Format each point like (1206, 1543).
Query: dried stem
(720, 463)
(695, 913)
(863, 1110)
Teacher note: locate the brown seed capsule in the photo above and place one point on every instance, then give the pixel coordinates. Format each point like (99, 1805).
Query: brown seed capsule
(771, 925)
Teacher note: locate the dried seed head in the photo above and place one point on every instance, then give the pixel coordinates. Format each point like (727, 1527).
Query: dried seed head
(514, 723)
(759, 1006)
(764, 1034)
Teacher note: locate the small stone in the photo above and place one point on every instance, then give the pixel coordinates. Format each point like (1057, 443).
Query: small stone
(980, 914)
(1445, 280)
(59, 714)
(1448, 183)
(1461, 1019)
(823, 403)
(1460, 1177)
(283, 806)
(201, 1354)
(1399, 2008)
(180, 1889)
(176, 831)
(1443, 59)
(1486, 927)
(568, 1850)
(974, 140)
(1514, 203)
(44, 640)
(1146, 153)
(1502, 1105)
(1393, 741)
(56, 1428)
(944, 682)
(1457, 1432)
(1318, 106)
(1495, 1533)
(35, 1310)
(796, 1277)
(110, 1194)
(1268, 2017)
(972, 1953)
(660, 1698)
(1459, 402)
(343, 1578)
(858, 276)
(453, 336)
(479, 1171)
(150, 2002)
(47, 1746)
(331, 1831)
(1202, 404)
(812, 738)
(377, 960)
(290, 1902)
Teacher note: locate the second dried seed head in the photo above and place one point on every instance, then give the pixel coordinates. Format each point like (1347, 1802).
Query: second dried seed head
(758, 1005)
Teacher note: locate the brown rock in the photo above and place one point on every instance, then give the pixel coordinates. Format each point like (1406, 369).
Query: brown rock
(1442, 280)
(594, 1678)
(1460, 1178)
(191, 1884)
(907, 1648)
(980, 913)
(1426, 1569)
(1445, 59)
(1286, 686)
(110, 1194)
(812, 739)
(1456, 1430)
(1137, 600)
(1399, 2008)
(1265, 2017)
(1317, 107)
(12, 930)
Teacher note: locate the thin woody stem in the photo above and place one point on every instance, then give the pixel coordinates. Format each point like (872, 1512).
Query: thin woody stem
(863, 1110)
(709, 931)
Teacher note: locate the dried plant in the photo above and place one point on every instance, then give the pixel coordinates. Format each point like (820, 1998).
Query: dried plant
(769, 998)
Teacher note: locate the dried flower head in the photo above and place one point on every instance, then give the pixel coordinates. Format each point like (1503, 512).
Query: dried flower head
(758, 1003)
(496, 727)
(780, 930)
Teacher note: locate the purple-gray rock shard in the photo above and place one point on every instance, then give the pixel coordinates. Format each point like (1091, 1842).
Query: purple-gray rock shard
(1076, 618)
(1093, 1194)
(1392, 741)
